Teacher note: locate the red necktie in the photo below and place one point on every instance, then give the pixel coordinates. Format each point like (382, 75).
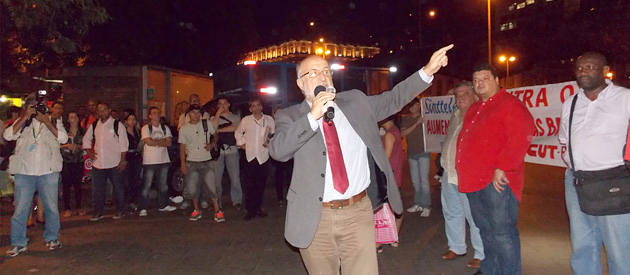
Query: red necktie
(337, 166)
(627, 156)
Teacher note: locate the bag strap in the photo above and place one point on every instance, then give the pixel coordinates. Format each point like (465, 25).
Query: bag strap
(204, 123)
(570, 127)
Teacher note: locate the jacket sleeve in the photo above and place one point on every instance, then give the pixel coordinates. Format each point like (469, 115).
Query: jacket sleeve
(290, 135)
(391, 102)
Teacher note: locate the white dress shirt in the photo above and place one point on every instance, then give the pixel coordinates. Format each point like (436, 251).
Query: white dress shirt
(251, 132)
(354, 154)
(600, 128)
(38, 149)
(108, 146)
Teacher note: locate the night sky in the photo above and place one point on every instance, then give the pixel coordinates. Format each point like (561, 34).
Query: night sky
(204, 36)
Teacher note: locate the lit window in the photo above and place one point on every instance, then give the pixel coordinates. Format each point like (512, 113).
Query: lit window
(521, 5)
(549, 0)
(512, 7)
(504, 27)
(511, 25)
(529, 2)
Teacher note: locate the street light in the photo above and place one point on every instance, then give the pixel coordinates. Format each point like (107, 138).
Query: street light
(610, 75)
(489, 35)
(507, 61)
(432, 13)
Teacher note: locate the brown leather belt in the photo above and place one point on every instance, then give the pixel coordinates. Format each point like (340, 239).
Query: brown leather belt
(339, 204)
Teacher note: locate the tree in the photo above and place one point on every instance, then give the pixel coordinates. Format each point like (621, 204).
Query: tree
(45, 34)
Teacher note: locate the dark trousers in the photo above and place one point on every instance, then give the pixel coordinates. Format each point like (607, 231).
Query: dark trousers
(496, 214)
(282, 176)
(131, 179)
(99, 183)
(256, 176)
(71, 176)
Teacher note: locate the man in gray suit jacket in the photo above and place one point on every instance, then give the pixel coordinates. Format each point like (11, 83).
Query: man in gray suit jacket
(337, 163)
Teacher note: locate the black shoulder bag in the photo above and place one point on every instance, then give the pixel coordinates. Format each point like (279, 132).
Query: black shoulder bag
(215, 152)
(602, 192)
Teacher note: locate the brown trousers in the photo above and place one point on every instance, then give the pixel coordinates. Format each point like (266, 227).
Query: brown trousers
(344, 239)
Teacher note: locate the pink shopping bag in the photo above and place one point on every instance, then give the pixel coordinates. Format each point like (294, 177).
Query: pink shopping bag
(385, 225)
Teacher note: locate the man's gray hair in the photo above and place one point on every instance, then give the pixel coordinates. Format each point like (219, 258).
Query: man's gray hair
(463, 83)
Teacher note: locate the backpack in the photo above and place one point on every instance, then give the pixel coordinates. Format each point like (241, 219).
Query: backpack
(226, 138)
(215, 152)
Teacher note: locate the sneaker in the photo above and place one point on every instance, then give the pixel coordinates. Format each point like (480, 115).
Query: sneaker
(237, 206)
(15, 250)
(168, 208)
(118, 215)
(96, 217)
(204, 205)
(425, 213)
(177, 199)
(67, 214)
(53, 245)
(415, 208)
(195, 216)
(438, 178)
(184, 205)
(143, 213)
(219, 216)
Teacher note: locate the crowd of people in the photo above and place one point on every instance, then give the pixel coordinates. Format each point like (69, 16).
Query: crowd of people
(347, 160)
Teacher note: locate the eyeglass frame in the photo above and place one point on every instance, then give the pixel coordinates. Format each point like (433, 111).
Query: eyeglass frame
(317, 73)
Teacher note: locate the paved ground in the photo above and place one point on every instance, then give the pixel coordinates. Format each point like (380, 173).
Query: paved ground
(167, 243)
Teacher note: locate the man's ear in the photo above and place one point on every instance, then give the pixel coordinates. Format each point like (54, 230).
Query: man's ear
(300, 83)
(606, 69)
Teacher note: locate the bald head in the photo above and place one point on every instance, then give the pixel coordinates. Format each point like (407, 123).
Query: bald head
(320, 75)
(595, 56)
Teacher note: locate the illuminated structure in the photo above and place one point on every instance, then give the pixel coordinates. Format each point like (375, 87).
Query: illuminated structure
(296, 50)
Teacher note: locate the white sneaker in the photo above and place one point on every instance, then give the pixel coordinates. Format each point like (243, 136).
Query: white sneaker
(168, 208)
(414, 208)
(177, 199)
(204, 204)
(143, 213)
(184, 205)
(425, 213)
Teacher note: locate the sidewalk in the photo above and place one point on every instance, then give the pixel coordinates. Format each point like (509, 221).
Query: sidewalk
(167, 243)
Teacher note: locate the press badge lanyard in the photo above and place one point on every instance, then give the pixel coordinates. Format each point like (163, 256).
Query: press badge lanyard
(32, 147)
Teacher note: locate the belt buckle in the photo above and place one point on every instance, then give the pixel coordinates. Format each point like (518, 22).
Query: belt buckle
(332, 204)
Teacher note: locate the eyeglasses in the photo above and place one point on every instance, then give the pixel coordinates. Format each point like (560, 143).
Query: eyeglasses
(586, 68)
(316, 73)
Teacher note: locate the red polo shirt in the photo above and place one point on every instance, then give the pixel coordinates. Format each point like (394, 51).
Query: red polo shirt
(495, 134)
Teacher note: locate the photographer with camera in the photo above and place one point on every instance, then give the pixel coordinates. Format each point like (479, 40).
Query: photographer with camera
(36, 164)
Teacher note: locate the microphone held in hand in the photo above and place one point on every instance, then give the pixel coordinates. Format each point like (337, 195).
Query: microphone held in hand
(330, 111)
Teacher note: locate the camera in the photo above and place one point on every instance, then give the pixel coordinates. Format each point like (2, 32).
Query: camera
(41, 106)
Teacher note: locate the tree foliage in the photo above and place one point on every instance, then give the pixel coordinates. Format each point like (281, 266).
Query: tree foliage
(44, 34)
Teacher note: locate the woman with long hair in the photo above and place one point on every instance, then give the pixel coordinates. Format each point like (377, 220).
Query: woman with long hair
(72, 172)
(134, 162)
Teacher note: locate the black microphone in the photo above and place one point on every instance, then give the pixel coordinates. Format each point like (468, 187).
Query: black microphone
(330, 112)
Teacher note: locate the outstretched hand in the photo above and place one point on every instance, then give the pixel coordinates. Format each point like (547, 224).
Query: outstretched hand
(437, 61)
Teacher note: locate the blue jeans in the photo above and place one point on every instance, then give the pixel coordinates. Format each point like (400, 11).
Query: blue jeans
(588, 232)
(496, 215)
(419, 170)
(162, 175)
(99, 182)
(456, 210)
(48, 189)
(231, 161)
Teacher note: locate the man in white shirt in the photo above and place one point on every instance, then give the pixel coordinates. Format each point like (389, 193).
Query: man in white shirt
(36, 164)
(195, 143)
(252, 135)
(598, 135)
(229, 158)
(155, 160)
(106, 145)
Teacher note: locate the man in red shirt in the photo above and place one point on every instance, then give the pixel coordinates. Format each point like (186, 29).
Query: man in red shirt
(491, 149)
